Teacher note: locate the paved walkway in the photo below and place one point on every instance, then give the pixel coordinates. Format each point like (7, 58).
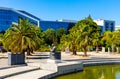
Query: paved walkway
(15, 70)
(41, 57)
(91, 55)
(31, 75)
(35, 73)
(3, 63)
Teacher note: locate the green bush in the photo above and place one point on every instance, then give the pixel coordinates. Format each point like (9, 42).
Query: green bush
(44, 48)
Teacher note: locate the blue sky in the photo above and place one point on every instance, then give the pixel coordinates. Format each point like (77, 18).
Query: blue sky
(68, 9)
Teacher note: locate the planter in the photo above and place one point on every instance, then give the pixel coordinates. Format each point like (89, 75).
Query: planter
(55, 56)
(16, 59)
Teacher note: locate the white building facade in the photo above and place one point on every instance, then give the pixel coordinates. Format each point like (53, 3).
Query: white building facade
(105, 25)
(117, 27)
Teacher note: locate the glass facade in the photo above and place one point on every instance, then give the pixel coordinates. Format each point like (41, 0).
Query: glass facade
(7, 16)
(102, 29)
(109, 26)
(105, 25)
(56, 25)
(5, 19)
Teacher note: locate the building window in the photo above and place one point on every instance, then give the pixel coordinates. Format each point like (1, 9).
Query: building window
(112, 24)
(106, 25)
(7, 22)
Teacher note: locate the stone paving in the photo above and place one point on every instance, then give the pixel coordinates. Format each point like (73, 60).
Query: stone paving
(32, 75)
(41, 57)
(16, 70)
(3, 63)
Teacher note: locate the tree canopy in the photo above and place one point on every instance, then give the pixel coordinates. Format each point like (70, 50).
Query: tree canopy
(50, 36)
(22, 36)
(81, 36)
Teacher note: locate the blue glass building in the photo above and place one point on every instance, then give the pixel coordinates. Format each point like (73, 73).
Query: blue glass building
(9, 16)
(56, 25)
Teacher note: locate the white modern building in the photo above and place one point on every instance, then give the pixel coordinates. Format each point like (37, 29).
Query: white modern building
(117, 27)
(66, 20)
(105, 25)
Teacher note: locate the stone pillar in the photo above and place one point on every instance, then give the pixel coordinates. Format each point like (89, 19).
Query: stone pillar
(103, 49)
(117, 48)
(108, 50)
(67, 50)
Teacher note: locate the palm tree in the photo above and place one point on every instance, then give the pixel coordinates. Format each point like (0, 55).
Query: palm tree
(21, 37)
(97, 41)
(35, 41)
(70, 41)
(59, 33)
(82, 35)
(1, 37)
(50, 36)
(117, 42)
(111, 38)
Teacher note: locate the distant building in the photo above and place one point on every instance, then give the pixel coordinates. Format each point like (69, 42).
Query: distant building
(105, 25)
(57, 24)
(117, 27)
(65, 20)
(9, 16)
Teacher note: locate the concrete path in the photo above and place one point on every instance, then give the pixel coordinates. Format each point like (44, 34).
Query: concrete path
(32, 75)
(4, 73)
(3, 63)
(28, 72)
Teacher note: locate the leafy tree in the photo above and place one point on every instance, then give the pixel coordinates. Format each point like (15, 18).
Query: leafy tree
(89, 17)
(70, 40)
(107, 38)
(59, 33)
(39, 40)
(111, 38)
(64, 42)
(81, 36)
(70, 26)
(1, 37)
(97, 41)
(117, 33)
(2, 32)
(50, 36)
(85, 31)
(21, 37)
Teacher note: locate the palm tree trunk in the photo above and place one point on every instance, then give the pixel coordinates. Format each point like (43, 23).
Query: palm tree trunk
(109, 50)
(97, 49)
(32, 51)
(28, 52)
(74, 50)
(117, 48)
(74, 53)
(112, 47)
(85, 52)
